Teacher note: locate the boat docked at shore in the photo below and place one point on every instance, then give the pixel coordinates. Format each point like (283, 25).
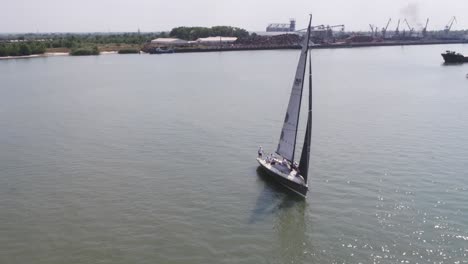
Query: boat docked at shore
(453, 57)
(281, 166)
(161, 51)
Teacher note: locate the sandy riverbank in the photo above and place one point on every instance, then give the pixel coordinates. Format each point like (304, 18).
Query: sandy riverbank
(47, 54)
(51, 54)
(23, 57)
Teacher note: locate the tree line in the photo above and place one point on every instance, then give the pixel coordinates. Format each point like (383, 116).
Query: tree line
(193, 33)
(83, 51)
(76, 40)
(21, 48)
(31, 43)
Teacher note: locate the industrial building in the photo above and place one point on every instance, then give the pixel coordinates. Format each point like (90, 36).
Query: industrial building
(169, 42)
(216, 40)
(209, 41)
(278, 27)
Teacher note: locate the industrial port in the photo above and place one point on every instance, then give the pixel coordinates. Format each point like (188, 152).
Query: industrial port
(403, 31)
(391, 32)
(286, 36)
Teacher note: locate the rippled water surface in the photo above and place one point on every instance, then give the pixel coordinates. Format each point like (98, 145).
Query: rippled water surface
(151, 159)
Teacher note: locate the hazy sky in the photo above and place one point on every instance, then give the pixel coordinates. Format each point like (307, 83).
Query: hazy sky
(253, 15)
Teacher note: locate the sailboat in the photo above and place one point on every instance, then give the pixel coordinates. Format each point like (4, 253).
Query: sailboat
(282, 166)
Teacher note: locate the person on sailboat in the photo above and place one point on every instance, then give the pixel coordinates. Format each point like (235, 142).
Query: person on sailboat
(295, 167)
(273, 160)
(260, 151)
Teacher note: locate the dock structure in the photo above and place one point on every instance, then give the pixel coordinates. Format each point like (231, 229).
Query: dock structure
(241, 47)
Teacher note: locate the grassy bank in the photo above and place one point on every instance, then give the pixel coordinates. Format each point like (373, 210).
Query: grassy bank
(117, 47)
(57, 50)
(97, 49)
(102, 48)
(84, 51)
(129, 51)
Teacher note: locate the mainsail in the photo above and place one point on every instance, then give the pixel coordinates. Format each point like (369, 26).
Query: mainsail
(287, 142)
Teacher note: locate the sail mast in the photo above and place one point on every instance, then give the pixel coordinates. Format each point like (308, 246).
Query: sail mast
(305, 155)
(287, 142)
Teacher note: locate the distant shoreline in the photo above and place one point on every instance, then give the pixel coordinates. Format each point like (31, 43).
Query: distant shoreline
(319, 46)
(36, 56)
(265, 47)
(50, 54)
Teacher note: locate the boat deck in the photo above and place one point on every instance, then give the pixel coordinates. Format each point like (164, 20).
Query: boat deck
(283, 171)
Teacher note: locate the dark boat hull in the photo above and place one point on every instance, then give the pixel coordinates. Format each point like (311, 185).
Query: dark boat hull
(454, 58)
(161, 51)
(293, 185)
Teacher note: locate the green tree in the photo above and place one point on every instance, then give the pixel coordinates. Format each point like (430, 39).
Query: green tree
(13, 50)
(37, 47)
(3, 51)
(24, 49)
(192, 33)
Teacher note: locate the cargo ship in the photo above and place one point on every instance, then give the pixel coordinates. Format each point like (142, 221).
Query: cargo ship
(452, 57)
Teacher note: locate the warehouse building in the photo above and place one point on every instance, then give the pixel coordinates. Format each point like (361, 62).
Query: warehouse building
(211, 41)
(278, 27)
(169, 42)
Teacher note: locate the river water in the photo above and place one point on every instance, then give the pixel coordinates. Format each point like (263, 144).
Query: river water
(151, 159)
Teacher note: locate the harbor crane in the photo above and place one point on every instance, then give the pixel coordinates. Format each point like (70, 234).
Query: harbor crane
(374, 30)
(323, 33)
(424, 30)
(384, 30)
(409, 27)
(397, 32)
(449, 24)
(329, 30)
(322, 27)
(318, 27)
(334, 26)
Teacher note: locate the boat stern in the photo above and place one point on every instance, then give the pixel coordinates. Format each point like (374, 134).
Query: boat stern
(289, 179)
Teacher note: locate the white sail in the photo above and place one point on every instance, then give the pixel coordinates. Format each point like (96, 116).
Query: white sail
(287, 142)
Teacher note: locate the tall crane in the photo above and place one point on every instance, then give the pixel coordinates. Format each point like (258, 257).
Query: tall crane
(322, 32)
(409, 27)
(384, 30)
(371, 29)
(450, 23)
(424, 30)
(321, 27)
(329, 30)
(397, 32)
